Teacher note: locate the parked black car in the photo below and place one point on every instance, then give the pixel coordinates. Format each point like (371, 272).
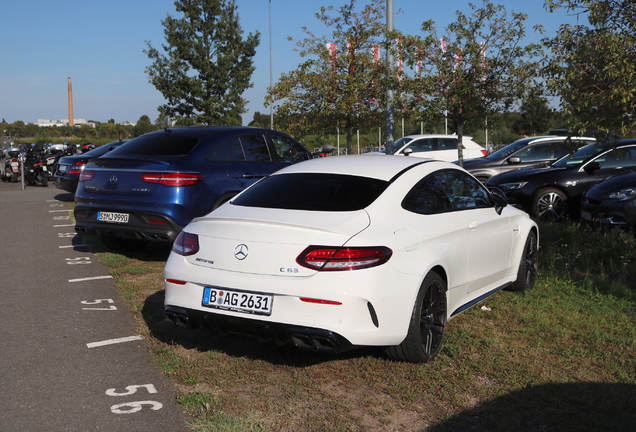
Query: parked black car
(150, 188)
(70, 167)
(611, 202)
(531, 152)
(554, 192)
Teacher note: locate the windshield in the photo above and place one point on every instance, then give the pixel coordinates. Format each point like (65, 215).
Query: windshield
(157, 144)
(579, 156)
(401, 143)
(312, 191)
(509, 149)
(99, 151)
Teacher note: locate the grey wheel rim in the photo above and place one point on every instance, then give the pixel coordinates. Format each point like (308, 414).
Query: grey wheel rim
(551, 206)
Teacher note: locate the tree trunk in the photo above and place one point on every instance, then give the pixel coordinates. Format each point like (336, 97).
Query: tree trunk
(460, 145)
(349, 130)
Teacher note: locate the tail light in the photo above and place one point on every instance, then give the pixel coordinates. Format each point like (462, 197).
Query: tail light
(186, 244)
(173, 179)
(325, 258)
(77, 167)
(484, 152)
(86, 175)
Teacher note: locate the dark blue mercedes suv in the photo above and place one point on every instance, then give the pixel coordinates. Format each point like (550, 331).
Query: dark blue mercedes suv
(150, 188)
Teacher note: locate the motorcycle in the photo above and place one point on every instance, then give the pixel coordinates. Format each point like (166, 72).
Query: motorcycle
(13, 159)
(56, 152)
(36, 167)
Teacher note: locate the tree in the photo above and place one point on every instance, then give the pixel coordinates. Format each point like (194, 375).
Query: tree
(143, 125)
(260, 120)
(592, 68)
(207, 65)
(341, 82)
(478, 68)
(536, 114)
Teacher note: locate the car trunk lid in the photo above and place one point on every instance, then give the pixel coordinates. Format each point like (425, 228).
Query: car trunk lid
(269, 241)
(123, 176)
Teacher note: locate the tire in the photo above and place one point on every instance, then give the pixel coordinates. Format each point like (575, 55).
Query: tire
(527, 274)
(550, 204)
(427, 325)
(11, 176)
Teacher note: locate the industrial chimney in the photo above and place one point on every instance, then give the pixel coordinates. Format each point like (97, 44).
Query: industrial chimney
(71, 120)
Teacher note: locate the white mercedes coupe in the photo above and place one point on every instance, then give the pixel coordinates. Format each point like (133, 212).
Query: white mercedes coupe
(348, 251)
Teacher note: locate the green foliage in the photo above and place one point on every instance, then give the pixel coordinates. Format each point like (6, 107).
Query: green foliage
(479, 69)
(592, 67)
(340, 83)
(206, 66)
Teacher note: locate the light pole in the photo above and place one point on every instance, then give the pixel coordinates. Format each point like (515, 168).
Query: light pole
(390, 120)
(271, 72)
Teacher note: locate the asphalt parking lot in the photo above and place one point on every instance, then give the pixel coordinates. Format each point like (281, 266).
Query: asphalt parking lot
(70, 357)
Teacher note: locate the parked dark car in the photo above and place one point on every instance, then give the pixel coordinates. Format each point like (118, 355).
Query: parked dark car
(70, 167)
(554, 192)
(531, 152)
(611, 202)
(150, 188)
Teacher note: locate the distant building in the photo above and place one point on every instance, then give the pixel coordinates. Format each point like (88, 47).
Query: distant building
(63, 122)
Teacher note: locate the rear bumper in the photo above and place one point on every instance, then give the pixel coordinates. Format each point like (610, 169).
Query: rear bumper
(305, 338)
(146, 226)
(68, 185)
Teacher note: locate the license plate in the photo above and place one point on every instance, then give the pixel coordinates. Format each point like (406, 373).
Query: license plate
(113, 217)
(586, 216)
(44, 168)
(237, 301)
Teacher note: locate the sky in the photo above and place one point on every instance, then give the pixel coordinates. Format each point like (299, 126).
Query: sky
(100, 46)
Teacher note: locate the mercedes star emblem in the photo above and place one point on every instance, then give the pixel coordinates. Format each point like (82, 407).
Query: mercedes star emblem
(240, 252)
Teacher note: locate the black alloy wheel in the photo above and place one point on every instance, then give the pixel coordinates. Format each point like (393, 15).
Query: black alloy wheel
(428, 323)
(528, 266)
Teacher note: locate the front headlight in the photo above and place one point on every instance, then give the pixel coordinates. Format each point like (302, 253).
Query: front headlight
(623, 194)
(512, 186)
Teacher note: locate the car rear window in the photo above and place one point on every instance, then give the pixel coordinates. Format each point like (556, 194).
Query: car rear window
(159, 144)
(313, 191)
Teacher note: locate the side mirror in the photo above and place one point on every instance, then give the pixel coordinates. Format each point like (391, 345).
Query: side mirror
(498, 198)
(407, 151)
(514, 160)
(591, 167)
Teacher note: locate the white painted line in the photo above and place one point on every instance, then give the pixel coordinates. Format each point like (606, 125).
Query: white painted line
(90, 278)
(58, 226)
(71, 246)
(114, 341)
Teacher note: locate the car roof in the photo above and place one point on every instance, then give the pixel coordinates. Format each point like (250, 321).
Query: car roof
(383, 167)
(435, 136)
(217, 132)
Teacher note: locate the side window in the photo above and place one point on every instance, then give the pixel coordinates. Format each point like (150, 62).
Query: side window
(618, 158)
(227, 151)
(560, 149)
(427, 197)
(287, 150)
(535, 152)
(463, 191)
(447, 144)
(255, 148)
(421, 145)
